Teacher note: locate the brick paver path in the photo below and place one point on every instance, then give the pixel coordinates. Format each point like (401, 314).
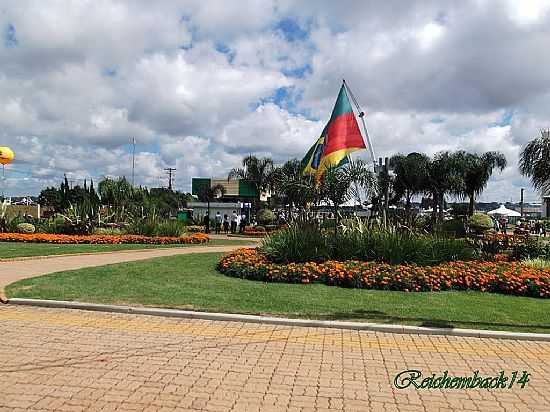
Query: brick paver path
(12, 271)
(65, 360)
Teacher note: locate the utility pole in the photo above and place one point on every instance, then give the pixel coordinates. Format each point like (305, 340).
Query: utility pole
(133, 158)
(169, 171)
(521, 203)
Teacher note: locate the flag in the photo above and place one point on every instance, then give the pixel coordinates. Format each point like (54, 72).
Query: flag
(340, 137)
(311, 160)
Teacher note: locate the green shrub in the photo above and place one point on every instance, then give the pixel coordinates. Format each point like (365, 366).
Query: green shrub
(308, 243)
(53, 225)
(396, 247)
(532, 248)
(480, 223)
(454, 227)
(112, 231)
(537, 263)
(172, 228)
(144, 227)
(265, 216)
(296, 243)
(25, 228)
(152, 227)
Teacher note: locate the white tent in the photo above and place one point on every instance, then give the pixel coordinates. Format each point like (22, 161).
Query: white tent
(502, 211)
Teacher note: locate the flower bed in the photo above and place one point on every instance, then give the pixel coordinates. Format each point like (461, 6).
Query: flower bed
(511, 278)
(196, 238)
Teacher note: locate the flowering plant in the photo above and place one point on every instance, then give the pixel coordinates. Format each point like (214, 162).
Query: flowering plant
(196, 238)
(512, 278)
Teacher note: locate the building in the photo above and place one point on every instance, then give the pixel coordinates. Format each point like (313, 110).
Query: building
(235, 190)
(545, 203)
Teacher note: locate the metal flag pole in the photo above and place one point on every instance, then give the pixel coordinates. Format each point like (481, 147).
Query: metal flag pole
(3, 180)
(361, 115)
(133, 158)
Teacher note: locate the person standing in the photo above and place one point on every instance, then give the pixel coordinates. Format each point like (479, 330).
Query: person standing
(218, 222)
(206, 222)
(225, 224)
(234, 220)
(242, 223)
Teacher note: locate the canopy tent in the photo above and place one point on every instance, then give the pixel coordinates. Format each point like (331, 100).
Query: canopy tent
(503, 211)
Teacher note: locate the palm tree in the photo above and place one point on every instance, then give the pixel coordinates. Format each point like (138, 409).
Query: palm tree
(340, 184)
(256, 171)
(476, 170)
(443, 177)
(209, 193)
(410, 175)
(534, 161)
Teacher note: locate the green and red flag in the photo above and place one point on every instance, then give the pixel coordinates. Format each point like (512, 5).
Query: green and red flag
(340, 137)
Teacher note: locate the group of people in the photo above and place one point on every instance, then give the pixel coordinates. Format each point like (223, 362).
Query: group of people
(228, 223)
(535, 228)
(521, 228)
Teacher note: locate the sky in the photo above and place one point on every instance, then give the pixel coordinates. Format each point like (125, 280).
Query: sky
(200, 84)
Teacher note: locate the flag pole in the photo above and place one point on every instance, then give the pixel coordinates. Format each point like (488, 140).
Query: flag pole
(361, 115)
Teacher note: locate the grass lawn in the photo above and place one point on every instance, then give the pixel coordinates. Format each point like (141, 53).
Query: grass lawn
(192, 282)
(20, 249)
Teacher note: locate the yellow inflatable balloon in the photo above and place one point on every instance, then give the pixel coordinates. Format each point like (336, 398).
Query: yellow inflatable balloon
(6, 155)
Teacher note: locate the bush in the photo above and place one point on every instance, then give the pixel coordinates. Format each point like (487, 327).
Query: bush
(537, 263)
(531, 248)
(296, 243)
(308, 243)
(454, 227)
(25, 228)
(112, 231)
(151, 227)
(265, 216)
(480, 223)
(145, 227)
(172, 228)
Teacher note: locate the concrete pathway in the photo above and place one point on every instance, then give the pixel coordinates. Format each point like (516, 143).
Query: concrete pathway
(69, 360)
(12, 271)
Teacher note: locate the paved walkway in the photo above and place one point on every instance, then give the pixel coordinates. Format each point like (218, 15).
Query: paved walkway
(65, 360)
(12, 271)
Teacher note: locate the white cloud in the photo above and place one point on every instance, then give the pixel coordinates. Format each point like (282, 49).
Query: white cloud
(82, 78)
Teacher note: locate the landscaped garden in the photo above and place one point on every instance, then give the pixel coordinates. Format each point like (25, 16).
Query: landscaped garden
(192, 282)
(122, 218)
(447, 269)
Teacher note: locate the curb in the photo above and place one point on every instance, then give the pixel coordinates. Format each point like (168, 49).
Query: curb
(269, 320)
(125, 251)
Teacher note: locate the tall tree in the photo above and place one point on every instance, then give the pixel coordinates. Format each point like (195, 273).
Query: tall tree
(410, 175)
(340, 184)
(209, 193)
(534, 161)
(443, 177)
(256, 171)
(291, 186)
(476, 171)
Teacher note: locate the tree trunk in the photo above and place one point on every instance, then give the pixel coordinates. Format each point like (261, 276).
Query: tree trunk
(441, 206)
(434, 207)
(471, 206)
(408, 201)
(335, 220)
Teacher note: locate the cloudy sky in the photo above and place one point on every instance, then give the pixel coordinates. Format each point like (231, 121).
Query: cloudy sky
(199, 84)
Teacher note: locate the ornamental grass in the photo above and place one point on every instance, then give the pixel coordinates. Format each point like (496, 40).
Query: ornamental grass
(196, 238)
(510, 278)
